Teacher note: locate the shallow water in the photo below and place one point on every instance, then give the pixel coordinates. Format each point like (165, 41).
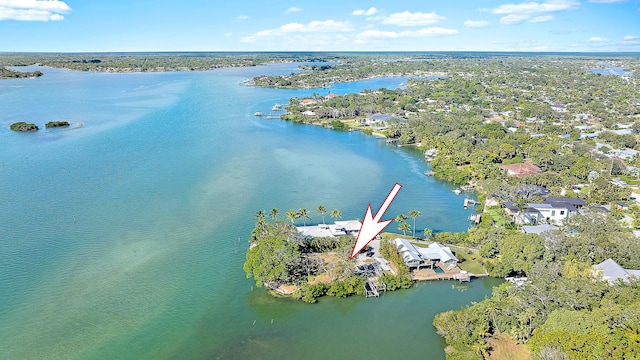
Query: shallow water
(125, 238)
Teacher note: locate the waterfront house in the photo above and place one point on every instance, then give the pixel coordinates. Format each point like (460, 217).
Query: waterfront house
(378, 119)
(338, 228)
(551, 211)
(414, 256)
(408, 252)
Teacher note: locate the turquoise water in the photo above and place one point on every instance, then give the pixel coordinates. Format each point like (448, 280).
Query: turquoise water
(125, 237)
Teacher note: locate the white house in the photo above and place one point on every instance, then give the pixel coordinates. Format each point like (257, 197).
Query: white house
(378, 119)
(552, 211)
(417, 256)
(338, 228)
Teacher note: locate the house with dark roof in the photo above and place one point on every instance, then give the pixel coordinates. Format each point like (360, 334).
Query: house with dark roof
(551, 211)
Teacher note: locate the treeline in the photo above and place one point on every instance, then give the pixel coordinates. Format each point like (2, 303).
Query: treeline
(144, 62)
(563, 310)
(12, 74)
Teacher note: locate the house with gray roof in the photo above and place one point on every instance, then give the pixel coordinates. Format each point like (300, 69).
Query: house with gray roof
(538, 229)
(338, 228)
(611, 271)
(378, 119)
(414, 256)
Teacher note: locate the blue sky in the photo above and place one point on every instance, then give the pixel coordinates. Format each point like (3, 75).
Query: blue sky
(328, 25)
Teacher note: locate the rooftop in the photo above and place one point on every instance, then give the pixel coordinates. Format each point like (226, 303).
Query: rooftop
(521, 169)
(612, 271)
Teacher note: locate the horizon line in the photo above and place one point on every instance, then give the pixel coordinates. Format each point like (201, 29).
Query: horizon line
(317, 52)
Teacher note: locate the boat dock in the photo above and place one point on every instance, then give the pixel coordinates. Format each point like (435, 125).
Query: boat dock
(372, 287)
(446, 272)
(468, 202)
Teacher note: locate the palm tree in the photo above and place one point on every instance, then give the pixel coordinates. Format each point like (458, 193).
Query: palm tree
(291, 215)
(427, 233)
(335, 214)
(261, 216)
(275, 213)
(414, 214)
(401, 218)
(304, 215)
(404, 227)
(321, 210)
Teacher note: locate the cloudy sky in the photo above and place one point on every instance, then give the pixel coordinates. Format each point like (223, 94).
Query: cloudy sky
(328, 25)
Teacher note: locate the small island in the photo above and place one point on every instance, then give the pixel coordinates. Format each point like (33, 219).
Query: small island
(57, 124)
(22, 126)
(12, 74)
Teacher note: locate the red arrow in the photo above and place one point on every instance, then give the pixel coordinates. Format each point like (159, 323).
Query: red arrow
(372, 226)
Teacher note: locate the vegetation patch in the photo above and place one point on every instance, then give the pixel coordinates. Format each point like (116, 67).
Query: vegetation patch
(502, 347)
(56, 124)
(23, 127)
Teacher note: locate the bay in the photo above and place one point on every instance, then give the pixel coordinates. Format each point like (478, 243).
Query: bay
(124, 236)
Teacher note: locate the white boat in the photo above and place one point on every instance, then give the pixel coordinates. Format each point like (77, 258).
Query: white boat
(257, 113)
(457, 191)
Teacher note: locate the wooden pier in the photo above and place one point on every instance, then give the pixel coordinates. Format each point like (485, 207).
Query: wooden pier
(372, 287)
(462, 277)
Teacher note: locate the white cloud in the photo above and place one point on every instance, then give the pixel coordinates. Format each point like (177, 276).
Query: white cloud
(597, 39)
(531, 8)
(327, 26)
(407, 18)
(513, 19)
(630, 38)
(242, 17)
(372, 35)
(533, 12)
(539, 19)
(369, 12)
(293, 9)
(33, 10)
(474, 23)
(228, 34)
(606, 1)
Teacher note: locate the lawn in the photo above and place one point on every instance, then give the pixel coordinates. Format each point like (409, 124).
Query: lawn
(469, 262)
(472, 267)
(498, 216)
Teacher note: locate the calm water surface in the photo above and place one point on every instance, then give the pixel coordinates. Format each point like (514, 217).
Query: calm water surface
(125, 238)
